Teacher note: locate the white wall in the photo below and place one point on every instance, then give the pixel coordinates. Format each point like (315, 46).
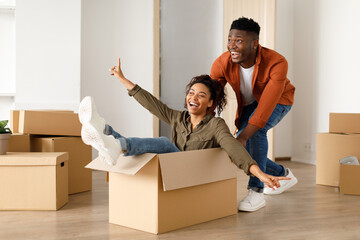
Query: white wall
(191, 39)
(47, 54)
(284, 43)
(326, 54)
(112, 29)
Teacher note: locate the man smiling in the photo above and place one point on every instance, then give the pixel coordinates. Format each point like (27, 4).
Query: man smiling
(258, 76)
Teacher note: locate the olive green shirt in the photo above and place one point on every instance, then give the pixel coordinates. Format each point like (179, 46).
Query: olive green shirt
(211, 132)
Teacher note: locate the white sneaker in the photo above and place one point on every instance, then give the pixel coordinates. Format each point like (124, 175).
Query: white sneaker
(92, 132)
(88, 113)
(252, 202)
(284, 185)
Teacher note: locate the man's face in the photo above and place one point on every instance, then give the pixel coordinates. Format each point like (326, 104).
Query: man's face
(242, 45)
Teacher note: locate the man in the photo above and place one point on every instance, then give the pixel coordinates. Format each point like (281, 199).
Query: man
(264, 96)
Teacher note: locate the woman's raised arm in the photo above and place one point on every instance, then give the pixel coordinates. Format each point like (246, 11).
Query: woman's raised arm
(117, 72)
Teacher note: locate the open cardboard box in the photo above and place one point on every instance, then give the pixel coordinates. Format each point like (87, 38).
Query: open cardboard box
(330, 148)
(350, 179)
(158, 193)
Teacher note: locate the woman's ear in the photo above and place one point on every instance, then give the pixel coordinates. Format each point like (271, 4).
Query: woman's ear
(211, 102)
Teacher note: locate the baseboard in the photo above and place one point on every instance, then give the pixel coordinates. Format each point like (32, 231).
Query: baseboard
(282, 159)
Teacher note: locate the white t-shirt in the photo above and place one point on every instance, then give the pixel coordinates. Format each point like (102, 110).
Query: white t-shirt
(246, 84)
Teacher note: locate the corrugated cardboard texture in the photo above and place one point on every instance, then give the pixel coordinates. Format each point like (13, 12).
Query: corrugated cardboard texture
(198, 167)
(344, 123)
(39, 185)
(60, 123)
(350, 179)
(19, 143)
(80, 178)
(330, 149)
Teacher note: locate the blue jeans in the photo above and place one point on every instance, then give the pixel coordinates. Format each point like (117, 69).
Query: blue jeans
(136, 146)
(257, 145)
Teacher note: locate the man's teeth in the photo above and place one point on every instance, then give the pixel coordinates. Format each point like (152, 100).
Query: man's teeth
(233, 53)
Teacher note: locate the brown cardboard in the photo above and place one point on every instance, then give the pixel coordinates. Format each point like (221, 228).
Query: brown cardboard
(14, 120)
(344, 123)
(60, 123)
(33, 181)
(203, 183)
(80, 178)
(19, 143)
(350, 179)
(331, 147)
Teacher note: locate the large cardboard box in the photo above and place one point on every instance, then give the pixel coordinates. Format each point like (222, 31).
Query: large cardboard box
(33, 181)
(331, 147)
(158, 193)
(55, 123)
(344, 123)
(80, 154)
(19, 143)
(350, 179)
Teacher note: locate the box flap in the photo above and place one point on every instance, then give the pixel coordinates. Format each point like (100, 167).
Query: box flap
(128, 165)
(33, 158)
(191, 168)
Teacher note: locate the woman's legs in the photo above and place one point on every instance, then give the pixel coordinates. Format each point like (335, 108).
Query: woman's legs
(135, 146)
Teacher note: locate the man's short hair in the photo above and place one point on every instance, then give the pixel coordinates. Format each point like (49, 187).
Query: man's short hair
(246, 24)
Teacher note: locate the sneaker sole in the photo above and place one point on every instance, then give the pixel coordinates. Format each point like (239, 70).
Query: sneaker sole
(252, 209)
(85, 110)
(274, 192)
(91, 137)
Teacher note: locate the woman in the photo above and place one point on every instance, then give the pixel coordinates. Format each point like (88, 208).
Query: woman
(193, 129)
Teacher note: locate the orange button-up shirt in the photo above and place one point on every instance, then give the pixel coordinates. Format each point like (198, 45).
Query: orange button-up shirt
(270, 85)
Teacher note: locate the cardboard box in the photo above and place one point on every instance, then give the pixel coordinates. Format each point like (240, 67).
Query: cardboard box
(33, 181)
(170, 191)
(350, 179)
(344, 123)
(14, 121)
(56, 123)
(80, 154)
(19, 143)
(331, 147)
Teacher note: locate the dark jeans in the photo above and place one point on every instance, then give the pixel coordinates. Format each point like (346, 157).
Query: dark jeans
(257, 145)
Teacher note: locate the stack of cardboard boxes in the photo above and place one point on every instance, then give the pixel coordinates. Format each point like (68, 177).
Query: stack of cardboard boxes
(343, 140)
(45, 161)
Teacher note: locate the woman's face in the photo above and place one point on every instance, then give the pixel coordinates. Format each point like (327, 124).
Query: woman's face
(198, 99)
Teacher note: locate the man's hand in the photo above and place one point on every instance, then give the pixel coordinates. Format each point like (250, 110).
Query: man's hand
(247, 133)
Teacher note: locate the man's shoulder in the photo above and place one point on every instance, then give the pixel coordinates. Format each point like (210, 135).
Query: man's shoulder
(224, 58)
(269, 55)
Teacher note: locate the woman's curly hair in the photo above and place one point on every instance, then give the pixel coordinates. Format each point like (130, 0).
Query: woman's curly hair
(216, 91)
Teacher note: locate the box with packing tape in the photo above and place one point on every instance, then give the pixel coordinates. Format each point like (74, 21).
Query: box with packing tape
(159, 193)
